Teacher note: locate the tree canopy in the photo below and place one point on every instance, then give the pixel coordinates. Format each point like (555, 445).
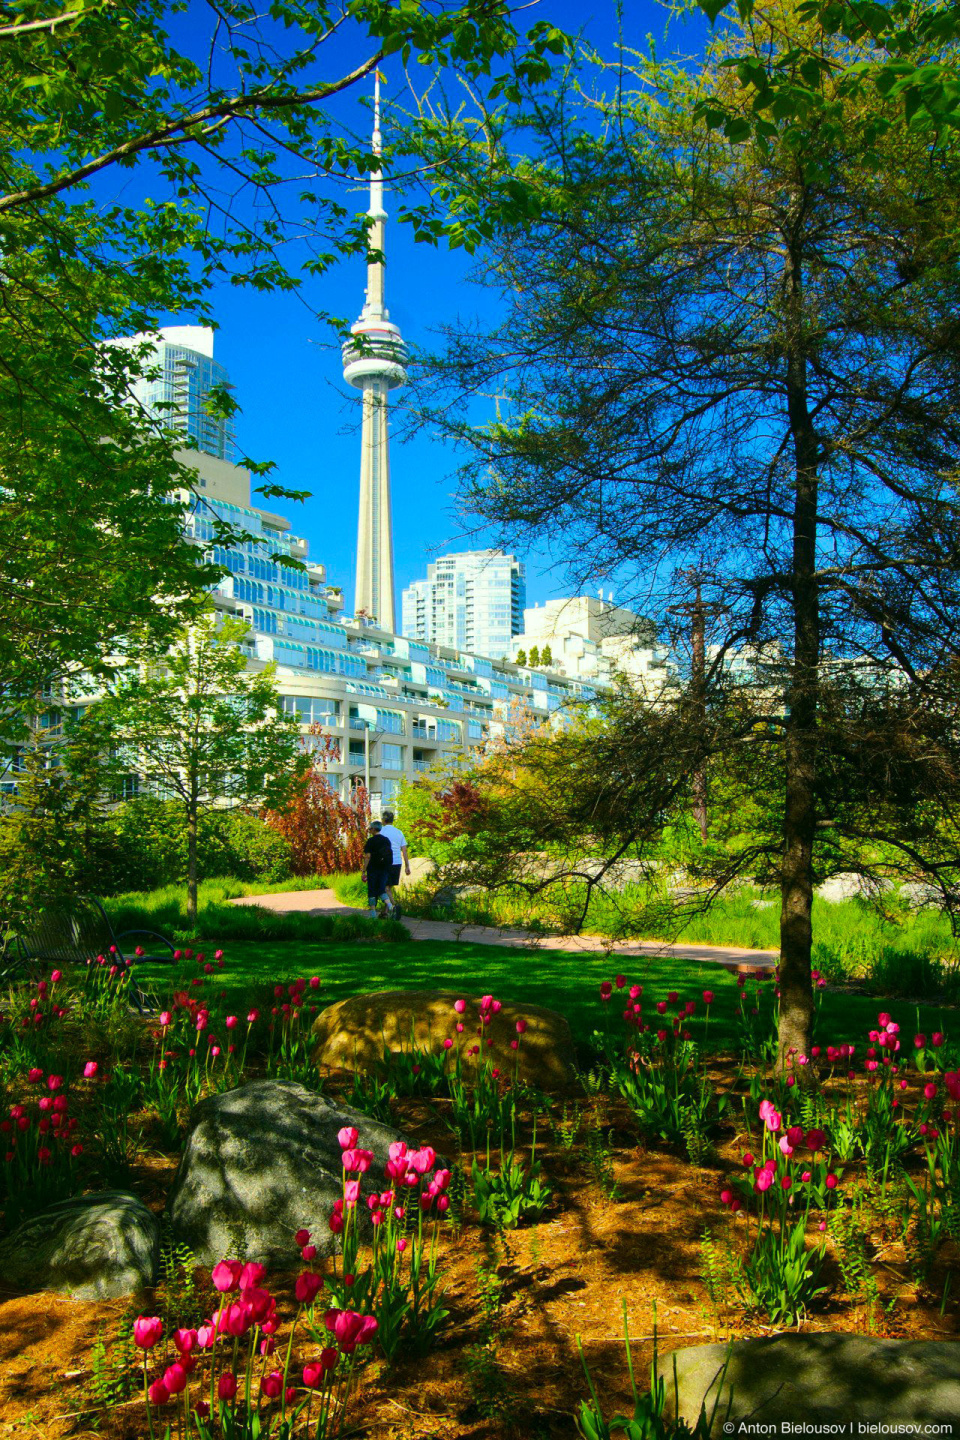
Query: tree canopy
(736, 353)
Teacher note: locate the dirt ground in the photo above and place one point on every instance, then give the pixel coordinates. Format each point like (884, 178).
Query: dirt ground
(625, 1223)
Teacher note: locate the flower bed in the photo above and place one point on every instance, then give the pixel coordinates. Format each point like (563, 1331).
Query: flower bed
(712, 1196)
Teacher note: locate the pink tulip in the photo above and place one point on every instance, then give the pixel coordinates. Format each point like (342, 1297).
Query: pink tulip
(147, 1330)
(226, 1386)
(423, 1160)
(348, 1137)
(920, 1041)
(521, 1026)
(175, 1379)
(226, 1275)
(460, 1006)
(90, 1069)
(301, 1237)
(763, 1180)
(930, 1090)
(815, 1139)
(54, 1082)
(253, 1016)
(773, 1121)
(231, 1022)
(708, 997)
(251, 1274)
(157, 1393)
(831, 1182)
(937, 1039)
(34, 1075)
(350, 1329)
(184, 1340)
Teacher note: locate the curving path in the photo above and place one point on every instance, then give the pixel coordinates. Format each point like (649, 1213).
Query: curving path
(316, 902)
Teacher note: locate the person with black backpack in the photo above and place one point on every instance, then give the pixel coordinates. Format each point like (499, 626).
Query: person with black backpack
(377, 863)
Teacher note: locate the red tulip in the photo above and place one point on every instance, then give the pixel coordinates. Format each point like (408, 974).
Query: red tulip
(227, 1386)
(271, 1385)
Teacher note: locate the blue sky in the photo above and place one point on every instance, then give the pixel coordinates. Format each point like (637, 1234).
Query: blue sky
(296, 409)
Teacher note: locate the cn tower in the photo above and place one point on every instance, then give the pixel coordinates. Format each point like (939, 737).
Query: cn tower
(374, 362)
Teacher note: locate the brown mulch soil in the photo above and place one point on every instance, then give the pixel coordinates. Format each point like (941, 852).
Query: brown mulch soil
(509, 1368)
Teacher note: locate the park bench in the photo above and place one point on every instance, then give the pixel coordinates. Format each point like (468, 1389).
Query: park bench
(77, 932)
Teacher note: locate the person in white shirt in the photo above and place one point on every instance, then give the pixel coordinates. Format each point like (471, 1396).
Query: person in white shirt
(401, 856)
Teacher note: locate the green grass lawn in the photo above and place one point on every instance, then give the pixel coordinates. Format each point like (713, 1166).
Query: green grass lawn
(564, 982)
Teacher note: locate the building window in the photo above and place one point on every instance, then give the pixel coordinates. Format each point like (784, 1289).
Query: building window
(312, 709)
(391, 757)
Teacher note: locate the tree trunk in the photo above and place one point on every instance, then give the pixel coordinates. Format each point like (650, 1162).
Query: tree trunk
(192, 865)
(802, 703)
(699, 679)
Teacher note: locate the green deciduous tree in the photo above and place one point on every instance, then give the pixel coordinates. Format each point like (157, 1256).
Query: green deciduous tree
(201, 730)
(741, 355)
(902, 50)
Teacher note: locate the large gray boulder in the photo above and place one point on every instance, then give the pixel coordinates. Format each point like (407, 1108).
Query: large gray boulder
(94, 1247)
(819, 1378)
(262, 1162)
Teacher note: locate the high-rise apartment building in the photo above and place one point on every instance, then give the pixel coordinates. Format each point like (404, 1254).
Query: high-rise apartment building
(589, 638)
(391, 706)
(470, 601)
(175, 398)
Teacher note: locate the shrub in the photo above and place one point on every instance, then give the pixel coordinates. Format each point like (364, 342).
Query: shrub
(148, 847)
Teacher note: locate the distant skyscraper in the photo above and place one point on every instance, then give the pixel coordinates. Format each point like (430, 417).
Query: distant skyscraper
(470, 601)
(184, 356)
(374, 363)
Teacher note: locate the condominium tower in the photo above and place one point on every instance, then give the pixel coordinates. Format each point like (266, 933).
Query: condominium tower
(183, 374)
(472, 601)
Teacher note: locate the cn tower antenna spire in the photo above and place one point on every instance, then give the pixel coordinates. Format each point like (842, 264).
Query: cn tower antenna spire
(374, 361)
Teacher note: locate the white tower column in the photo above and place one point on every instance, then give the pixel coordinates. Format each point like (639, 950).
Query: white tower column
(374, 363)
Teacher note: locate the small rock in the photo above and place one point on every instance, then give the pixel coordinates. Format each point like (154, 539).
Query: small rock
(93, 1247)
(261, 1162)
(820, 1378)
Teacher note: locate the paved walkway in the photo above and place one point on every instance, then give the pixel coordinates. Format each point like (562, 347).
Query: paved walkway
(316, 902)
